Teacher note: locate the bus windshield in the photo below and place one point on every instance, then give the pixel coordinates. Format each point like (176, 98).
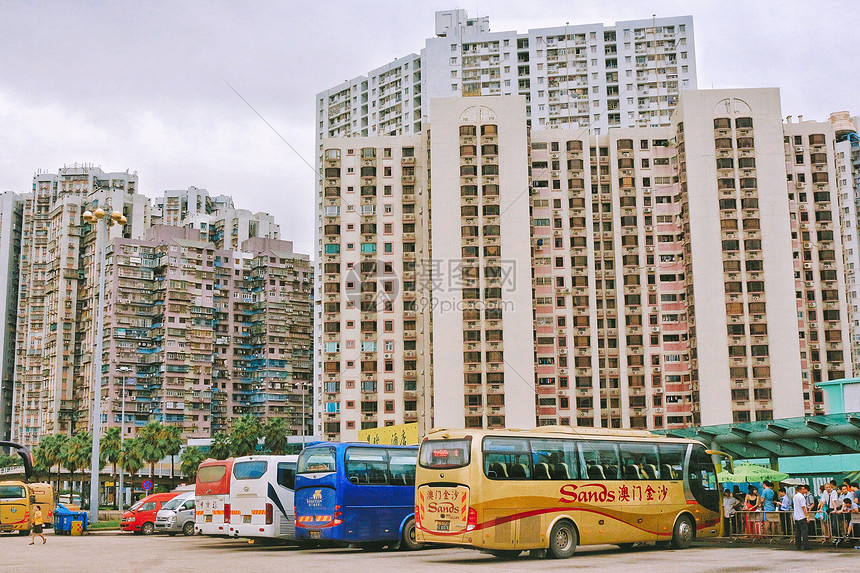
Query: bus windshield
(254, 469)
(313, 460)
(211, 474)
(12, 492)
(449, 454)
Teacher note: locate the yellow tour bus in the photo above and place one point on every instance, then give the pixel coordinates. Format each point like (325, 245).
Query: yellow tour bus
(556, 487)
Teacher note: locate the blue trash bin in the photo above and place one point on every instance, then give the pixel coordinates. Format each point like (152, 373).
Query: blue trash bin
(63, 520)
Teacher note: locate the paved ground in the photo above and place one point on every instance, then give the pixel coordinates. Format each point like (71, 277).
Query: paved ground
(133, 553)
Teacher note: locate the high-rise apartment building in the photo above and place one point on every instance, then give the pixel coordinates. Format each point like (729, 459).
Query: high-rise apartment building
(672, 267)
(199, 335)
(589, 76)
(58, 292)
(216, 218)
(371, 323)
(584, 77)
(10, 249)
(848, 185)
(204, 322)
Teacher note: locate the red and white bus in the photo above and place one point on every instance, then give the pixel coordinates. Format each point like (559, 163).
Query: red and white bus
(262, 497)
(212, 497)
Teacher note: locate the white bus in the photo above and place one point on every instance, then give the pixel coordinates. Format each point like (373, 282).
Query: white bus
(212, 494)
(262, 497)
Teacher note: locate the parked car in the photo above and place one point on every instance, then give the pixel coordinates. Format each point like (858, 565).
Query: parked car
(140, 518)
(177, 515)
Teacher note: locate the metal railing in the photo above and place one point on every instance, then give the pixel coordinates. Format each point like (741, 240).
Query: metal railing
(778, 526)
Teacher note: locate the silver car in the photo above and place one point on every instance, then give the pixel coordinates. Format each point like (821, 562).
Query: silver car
(177, 515)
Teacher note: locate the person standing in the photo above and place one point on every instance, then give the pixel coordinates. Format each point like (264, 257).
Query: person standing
(38, 524)
(767, 504)
(730, 505)
(784, 510)
(801, 518)
(826, 506)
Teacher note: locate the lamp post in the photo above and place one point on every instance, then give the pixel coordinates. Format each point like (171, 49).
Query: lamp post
(101, 222)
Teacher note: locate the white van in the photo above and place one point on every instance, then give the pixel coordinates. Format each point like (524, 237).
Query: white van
(177, 515)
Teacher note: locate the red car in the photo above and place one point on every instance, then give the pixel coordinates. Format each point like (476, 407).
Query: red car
(140, 518)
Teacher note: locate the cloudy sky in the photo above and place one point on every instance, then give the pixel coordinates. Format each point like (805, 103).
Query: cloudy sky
(141, 85)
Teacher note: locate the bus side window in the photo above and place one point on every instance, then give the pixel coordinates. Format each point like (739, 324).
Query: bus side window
(507, 458)
(287, 475)
(672, 461)
(554, 459)
(639, 461)
(599, 460)
(401, 466)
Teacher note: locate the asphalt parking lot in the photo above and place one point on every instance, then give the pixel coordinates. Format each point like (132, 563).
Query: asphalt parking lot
(134, 553)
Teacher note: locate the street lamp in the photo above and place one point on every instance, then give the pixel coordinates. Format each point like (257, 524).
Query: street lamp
(101, 222)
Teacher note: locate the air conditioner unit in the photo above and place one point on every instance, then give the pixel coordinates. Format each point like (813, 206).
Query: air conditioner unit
(807, 245)
(555, 155)
(816, 366)
(655, 329)
(647, 209)
(807, 265)
(798, 149)
(388, 355)
(812, 305)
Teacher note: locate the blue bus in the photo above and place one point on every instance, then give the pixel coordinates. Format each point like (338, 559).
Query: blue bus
(357, 493)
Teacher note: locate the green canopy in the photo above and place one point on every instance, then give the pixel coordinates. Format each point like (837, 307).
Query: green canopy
(747, 472)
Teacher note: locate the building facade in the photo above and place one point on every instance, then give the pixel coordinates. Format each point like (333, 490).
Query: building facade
(848, 185)
(590, 76)
(206, 319)
(670, 267)
(197, 336)
(10, 250)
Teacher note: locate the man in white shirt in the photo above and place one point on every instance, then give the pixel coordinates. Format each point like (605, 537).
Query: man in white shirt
(827, 504)
(801, 518)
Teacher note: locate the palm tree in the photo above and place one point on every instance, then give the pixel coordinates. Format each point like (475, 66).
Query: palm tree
(220, 447)
(111, 450)
(76, 455)
(275, 433)
(171, 441)
(244, 435)
(49, 453)
(190, 461)
(152, 444)
(131, 459)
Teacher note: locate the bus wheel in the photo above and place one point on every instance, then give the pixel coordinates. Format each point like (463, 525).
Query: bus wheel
(147, 528)
(685, 531)
(505, 553)
(562, 540)
(409, 542)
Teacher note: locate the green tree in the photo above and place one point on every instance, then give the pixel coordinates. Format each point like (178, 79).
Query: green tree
(131, 459)
(171, 441)
(220, 447)
(10, 461)
(275, 432)
(244, 435)
(151, 438)
(76, 455)
(48, 453)
(111, 450)
(189, 462)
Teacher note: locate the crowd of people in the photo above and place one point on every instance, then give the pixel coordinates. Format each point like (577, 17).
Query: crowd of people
(828, 516)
